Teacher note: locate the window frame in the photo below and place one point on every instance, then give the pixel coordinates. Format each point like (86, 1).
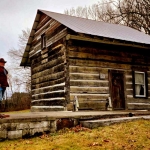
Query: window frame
(145, 85)
(43, 41)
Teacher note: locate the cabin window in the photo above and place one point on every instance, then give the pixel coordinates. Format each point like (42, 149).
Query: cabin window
(43, 41)
(140, 87)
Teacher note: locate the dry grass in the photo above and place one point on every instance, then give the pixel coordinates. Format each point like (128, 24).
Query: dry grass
(125, 136)
(15, 112)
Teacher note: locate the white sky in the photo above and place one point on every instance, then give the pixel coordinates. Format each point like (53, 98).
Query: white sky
(17, 15)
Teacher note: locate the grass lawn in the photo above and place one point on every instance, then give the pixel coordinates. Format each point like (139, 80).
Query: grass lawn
(133, 135)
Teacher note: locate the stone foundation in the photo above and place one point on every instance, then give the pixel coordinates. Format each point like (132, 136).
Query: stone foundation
(22, 128)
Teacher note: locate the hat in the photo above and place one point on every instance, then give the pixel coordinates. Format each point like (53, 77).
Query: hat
(2, 60)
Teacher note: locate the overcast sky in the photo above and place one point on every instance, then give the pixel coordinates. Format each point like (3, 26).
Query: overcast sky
(17, 15)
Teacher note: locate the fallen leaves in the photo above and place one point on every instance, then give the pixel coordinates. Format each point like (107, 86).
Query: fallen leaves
(79, 128)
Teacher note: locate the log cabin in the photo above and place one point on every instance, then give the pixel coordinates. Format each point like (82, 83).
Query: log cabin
(94, 64)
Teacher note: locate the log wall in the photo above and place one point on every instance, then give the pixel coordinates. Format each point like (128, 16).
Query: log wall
(65, 69)
(89, 65)
(48, 66)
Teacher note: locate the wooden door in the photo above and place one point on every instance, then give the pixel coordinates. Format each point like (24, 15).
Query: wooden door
(116, 79)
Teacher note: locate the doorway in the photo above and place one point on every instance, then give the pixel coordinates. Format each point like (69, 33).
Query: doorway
(116, 80)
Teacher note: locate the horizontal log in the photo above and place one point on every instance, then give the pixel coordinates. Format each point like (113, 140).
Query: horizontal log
(48, 103)
(52, 28)
(89, 83)
(58, 68)
(55, 54)
(43, 20)
(86, 69)
(48, 95)
(47, 78)
(48, 65)
(56, 87)
(97, 63)
(43, 61)
(129, 92)
(89, 97)
(129, 85)
(129, 79)
(107, 41)
(49, 83)
(83, 76)
(44, 56)
(101, 50)
(110, 58)
(99, 57)
(56, 37)
(94, 90)
(137, 100)
(92, 105)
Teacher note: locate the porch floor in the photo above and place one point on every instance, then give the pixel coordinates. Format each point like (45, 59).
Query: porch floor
(77, 114)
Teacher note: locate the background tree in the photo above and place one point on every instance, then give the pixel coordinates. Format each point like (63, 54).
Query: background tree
(132, 13)
(20, 77)
(135, 13)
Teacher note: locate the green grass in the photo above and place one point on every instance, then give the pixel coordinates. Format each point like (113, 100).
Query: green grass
(124, 136)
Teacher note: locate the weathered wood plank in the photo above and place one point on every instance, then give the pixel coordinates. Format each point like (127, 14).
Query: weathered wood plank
(129, 92)
(110, 51)
(129, 79)
(83, 76)
(94, 90)
(49, 83)
(92, 63)
(50, 64)
(86, 69)
(51, 102)
(110, 58)
(52, 27)
(55, 53)
(92, 105)
(129, 86)
(48, 95)
(42, 21)
(89, 83)
(56, 87)
(89, 97)
(58, 68)
(137, 100)
(48, 78)
(99, 57)
(108, 41)
(56, 37)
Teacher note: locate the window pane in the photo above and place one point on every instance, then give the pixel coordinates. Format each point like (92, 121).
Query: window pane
(139, 90)
(139, 78)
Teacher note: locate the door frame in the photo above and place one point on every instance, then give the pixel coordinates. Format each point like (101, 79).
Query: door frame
(110, 72)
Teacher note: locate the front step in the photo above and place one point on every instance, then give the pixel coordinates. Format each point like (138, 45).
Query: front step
(106, 122)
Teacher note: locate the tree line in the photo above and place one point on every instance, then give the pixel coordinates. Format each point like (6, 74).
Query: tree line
(132, 13)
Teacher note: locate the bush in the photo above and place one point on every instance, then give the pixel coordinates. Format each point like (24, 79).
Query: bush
(18, 101)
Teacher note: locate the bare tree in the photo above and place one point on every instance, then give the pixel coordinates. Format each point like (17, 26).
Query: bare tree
(101, 11)
(135, 13)
(132, 13)
(20, 77)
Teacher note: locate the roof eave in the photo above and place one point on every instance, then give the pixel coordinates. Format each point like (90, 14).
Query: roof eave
(25, 58)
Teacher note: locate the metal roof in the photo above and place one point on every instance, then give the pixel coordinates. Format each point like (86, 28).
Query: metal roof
(99, 28)
(87, 26)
